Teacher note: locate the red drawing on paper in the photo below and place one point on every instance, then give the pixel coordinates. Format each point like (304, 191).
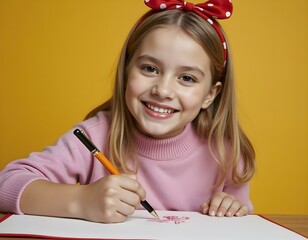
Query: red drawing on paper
(167, 219)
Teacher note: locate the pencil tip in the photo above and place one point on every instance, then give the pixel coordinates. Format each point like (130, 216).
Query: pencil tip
(155, 215)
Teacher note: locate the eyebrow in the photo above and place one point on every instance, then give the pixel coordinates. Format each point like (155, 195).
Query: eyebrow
(195, 69)
(184, 68)
(149, 58)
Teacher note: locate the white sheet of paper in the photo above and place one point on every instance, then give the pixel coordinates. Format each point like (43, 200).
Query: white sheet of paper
(141, 225)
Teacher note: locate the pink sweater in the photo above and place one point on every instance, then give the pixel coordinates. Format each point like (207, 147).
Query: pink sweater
(177, 173)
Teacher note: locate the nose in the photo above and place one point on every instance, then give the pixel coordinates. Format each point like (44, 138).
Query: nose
(164, 88)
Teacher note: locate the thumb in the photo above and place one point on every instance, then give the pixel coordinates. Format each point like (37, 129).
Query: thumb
(204, 208)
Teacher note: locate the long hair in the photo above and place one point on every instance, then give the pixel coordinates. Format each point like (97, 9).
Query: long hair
(218, 123)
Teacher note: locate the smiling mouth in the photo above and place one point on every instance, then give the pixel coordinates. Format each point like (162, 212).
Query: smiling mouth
(159, 109)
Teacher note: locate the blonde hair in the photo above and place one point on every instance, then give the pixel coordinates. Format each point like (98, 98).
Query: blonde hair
(218, 123)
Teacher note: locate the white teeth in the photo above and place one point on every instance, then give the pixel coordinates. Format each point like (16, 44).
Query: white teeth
(160, 110)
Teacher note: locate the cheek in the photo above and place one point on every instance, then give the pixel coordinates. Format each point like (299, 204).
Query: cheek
(192, 100)
(130, 98)
(135, 87)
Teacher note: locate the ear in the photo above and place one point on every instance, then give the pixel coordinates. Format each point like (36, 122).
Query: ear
(214, 91)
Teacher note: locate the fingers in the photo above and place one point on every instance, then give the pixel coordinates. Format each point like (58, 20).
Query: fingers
(205, 208)
(228, 206)
(223, 204)
(123, 209)
(129, 193)
(117, 211)
(111, 199)
(130, 198)
(220, 204)
(111, 216)
(131, 184)
(244, 210)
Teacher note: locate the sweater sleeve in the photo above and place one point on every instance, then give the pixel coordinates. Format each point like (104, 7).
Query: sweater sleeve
(64, 162)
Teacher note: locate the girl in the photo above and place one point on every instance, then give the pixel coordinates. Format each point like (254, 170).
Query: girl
(170, 127)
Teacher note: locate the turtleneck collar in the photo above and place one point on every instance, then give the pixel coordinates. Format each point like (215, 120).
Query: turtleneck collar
(167, 148)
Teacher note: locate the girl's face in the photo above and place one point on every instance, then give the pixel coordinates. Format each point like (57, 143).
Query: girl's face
(169, 81)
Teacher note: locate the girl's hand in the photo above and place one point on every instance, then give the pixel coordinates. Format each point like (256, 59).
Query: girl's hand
(224, 204)
(110, 199)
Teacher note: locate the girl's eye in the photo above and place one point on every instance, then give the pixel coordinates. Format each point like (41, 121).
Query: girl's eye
(188, 79)
(149, 69)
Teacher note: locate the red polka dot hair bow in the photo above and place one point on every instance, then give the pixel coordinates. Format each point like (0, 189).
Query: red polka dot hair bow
(210, 10)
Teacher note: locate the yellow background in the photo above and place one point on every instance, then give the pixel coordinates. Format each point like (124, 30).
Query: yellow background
(57, 58)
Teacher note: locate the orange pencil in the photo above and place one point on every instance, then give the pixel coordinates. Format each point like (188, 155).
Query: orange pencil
(107, 164)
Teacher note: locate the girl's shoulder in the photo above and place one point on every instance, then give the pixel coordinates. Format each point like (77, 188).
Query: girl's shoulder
(101, 119)
(96, 127)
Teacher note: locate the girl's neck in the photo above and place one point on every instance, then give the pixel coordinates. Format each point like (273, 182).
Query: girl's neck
(167, 148)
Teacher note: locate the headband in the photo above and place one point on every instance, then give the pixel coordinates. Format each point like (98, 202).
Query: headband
(210, 10)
